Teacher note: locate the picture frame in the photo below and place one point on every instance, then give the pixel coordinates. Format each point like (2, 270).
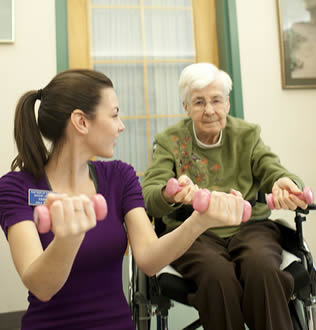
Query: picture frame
(297, 35)
(7, 21)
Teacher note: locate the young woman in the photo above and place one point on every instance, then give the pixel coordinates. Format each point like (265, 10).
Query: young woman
(74, 272)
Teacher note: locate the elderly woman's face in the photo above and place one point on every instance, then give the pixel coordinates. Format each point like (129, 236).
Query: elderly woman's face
(208, 108)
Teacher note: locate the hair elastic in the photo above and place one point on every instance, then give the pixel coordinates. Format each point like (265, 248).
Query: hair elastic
(39, 94)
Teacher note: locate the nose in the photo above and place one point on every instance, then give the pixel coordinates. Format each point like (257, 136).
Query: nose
(121, 126)
(209, 109)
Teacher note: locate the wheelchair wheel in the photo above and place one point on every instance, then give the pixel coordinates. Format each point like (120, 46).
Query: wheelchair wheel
(140, 304)
(298, 315)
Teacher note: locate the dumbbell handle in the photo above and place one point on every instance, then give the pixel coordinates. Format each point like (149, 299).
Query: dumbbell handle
(202, 197)
(43, 219)
(173, 187)
(307, 196)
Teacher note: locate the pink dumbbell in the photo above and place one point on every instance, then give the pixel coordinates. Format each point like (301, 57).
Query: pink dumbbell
(307, 196)
(202, 198)
(43, 220)
(173, 187)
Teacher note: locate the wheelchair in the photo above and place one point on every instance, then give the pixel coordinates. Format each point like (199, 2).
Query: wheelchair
(154, 296)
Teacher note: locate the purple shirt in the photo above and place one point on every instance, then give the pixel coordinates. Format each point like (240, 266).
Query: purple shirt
(92, 297)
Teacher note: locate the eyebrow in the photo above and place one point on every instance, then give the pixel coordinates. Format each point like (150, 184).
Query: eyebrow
(198, 98)
(212, 97)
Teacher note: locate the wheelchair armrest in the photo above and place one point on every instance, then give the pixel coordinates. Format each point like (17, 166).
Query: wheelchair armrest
(284, 223)
(302, 279)
(168, 270)
(175, 287)
(289, 238)
(288, 258)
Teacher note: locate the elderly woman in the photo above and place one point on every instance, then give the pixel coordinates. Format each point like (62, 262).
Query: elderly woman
(235, 268)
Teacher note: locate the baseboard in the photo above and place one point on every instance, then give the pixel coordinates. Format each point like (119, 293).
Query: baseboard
(11, 321)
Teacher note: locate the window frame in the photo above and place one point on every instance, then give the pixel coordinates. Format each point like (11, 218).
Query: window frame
(228, 46)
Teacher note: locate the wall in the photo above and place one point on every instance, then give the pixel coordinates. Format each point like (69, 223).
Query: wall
(27, 64)
(287, 117)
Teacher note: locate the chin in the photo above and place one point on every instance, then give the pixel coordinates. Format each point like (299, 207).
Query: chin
(109, 154)
(106, 155)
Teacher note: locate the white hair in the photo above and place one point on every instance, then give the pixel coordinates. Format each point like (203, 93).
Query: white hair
(200, 75)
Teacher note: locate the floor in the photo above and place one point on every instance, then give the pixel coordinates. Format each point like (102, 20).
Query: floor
(11, 321)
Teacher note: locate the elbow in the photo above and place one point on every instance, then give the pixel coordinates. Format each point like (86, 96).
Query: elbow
(40, 292)
(42, 297)
(150, 272)
(148, 269)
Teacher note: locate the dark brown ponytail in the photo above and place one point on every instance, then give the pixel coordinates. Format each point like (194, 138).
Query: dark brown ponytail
(32, 153)
(67, 91)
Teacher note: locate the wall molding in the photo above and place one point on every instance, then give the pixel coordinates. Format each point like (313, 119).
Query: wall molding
(62, 56)
(228, 48)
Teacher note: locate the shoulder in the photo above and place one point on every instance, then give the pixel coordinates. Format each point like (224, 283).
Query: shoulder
(16, 181)
(14, 203)
(114, 169)
(179, 130)
(239, 126)
(14, 186)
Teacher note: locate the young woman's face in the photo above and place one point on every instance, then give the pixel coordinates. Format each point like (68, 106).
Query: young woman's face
(208, 108)
(107, 125)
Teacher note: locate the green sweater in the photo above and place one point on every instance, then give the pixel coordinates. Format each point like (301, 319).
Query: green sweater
(241, 161)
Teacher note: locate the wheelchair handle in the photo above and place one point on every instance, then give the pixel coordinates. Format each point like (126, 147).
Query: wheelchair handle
(202, 199)
(43, 219)
(307, 196)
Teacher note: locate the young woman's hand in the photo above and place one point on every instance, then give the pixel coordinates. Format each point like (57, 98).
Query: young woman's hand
(71, 216)
(224, 210)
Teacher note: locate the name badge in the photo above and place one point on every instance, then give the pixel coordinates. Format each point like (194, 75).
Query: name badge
(37, 196)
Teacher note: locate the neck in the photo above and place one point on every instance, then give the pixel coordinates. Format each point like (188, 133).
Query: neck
(68, 172)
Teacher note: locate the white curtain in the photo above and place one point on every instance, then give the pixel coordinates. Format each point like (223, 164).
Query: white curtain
(143, 45)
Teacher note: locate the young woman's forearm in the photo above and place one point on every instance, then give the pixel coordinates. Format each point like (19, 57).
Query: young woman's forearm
(170, 246)
(49, 272)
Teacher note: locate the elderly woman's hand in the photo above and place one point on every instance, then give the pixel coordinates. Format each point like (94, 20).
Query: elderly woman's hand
(285, 193)
(185, 194)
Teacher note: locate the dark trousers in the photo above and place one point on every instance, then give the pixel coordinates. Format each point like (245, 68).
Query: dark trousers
(239, 279)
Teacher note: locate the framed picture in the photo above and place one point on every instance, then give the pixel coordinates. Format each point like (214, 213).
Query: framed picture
(7, 21)
(297, 30)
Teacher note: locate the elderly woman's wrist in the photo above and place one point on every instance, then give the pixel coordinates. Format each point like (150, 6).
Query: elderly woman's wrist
(168, 199)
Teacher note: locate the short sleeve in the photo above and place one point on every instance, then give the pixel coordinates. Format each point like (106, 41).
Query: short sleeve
(119, 184)
(14, 206)
(132, 193)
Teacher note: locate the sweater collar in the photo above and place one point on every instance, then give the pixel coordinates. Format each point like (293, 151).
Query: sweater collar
(204, 145)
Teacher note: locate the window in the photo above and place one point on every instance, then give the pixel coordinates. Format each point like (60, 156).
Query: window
(142, 45)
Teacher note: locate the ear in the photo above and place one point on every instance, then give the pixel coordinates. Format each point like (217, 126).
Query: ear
(227, 105)
(186, 108)
(79, 121)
